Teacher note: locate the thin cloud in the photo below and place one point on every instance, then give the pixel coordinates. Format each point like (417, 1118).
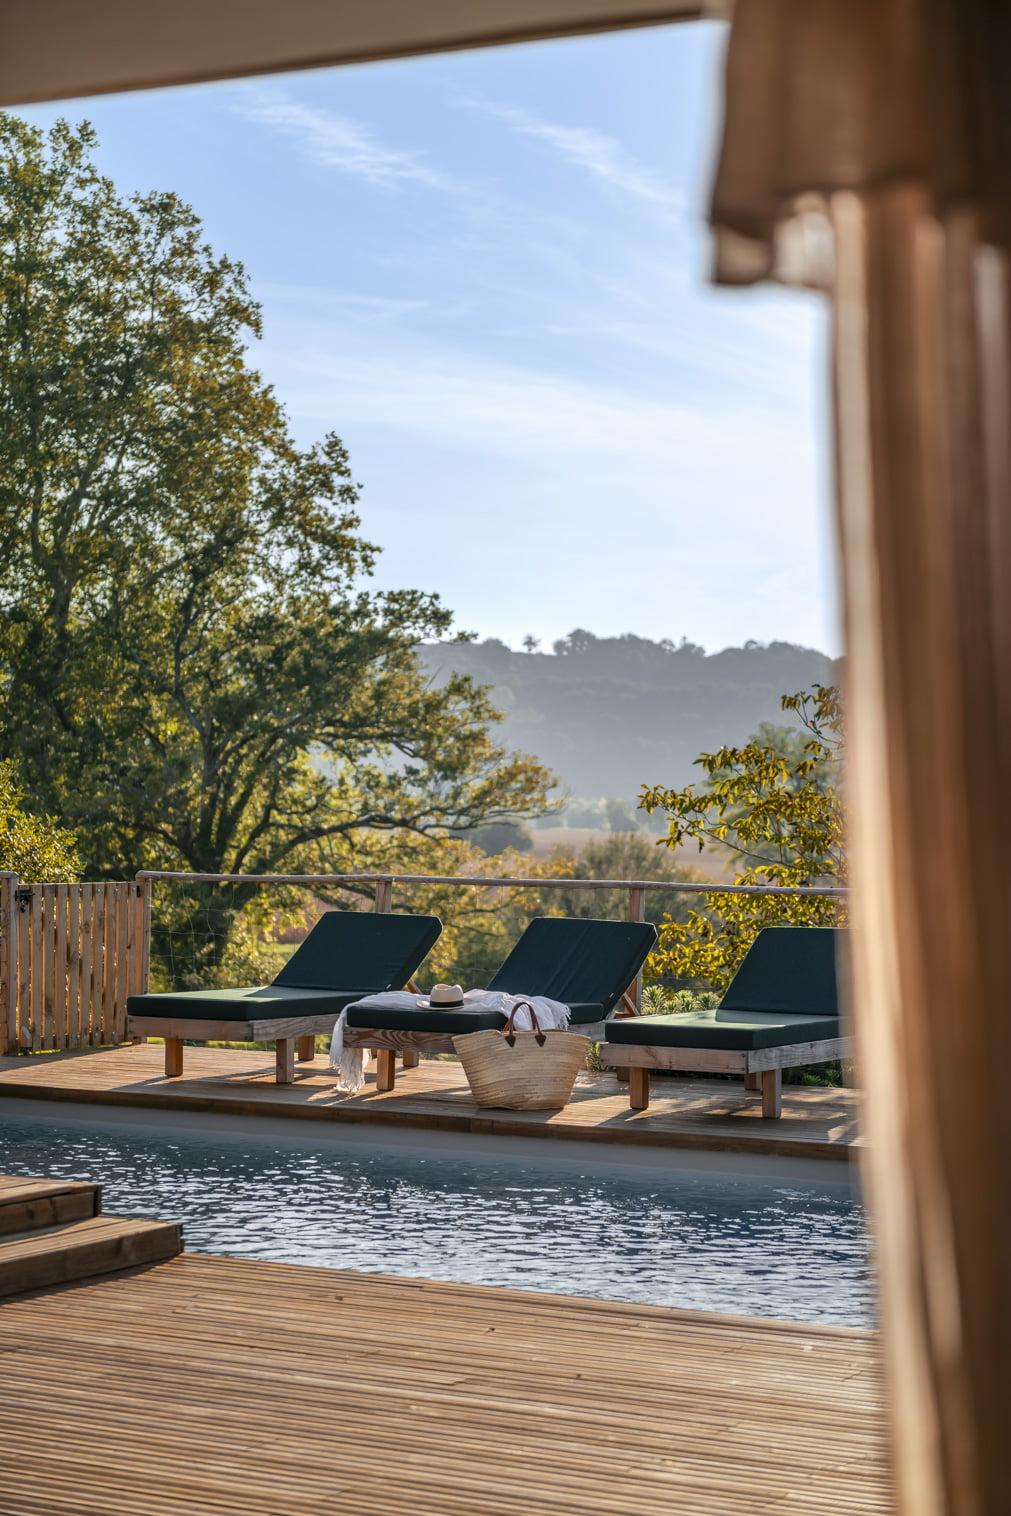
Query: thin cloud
(598, 155)
(334, 141)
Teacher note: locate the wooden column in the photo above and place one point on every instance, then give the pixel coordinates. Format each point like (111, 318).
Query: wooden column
(173, 1057)
(923, 420)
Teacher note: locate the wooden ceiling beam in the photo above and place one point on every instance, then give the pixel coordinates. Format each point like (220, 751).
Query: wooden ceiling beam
(63, 49)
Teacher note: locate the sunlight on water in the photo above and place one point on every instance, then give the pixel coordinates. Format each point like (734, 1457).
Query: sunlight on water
(709, 1242)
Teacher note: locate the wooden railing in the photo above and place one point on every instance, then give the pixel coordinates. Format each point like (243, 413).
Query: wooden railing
(70, 955)
(383, 887)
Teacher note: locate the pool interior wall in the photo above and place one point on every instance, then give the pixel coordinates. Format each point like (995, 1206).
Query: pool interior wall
(742, 1233)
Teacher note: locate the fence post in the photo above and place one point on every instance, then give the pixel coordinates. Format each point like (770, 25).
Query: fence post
(8, 962)
(384, 895)
(144, 889)
(637, 912)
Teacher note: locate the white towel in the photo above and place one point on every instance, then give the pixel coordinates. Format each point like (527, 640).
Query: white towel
(349, 1062)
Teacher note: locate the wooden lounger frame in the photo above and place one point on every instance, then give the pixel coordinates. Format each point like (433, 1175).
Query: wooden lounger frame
(292, 1036)
(761, 1069)
(289, 1034)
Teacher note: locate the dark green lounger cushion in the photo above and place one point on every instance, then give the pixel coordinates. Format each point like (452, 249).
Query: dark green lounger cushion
(789, 969)
(454, 1023)
(260, 1004)
(785, 991)
(347, 954)
(576, 961)
(584, 964)
(736, 1031)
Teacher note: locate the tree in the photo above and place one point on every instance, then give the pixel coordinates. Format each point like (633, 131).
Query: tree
(34, 847)
(196, 672)
(774, 805)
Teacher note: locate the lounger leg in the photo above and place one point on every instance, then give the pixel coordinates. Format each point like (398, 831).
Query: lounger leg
(772, 1093)
(411, 1058)
(284, 1060)
(173, 1057)
(752, 1081)
(306, 1049)
(386, 1068)
(638, 1088)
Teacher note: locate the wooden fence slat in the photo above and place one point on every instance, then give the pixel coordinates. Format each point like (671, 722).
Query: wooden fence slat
(108, 919)
(59, 992)
(36, 970)
(95, 993)
(8, 965)
(87, 892)
(24, 977)
(126, 944)
(73, 1029)
(49, 955)
(147, 894)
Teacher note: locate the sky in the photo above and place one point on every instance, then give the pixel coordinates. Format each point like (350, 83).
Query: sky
(487, 272)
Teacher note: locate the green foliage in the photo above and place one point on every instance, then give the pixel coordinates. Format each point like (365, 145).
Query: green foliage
(774, 806)
(661, 1000)
(33, 847)
(197, 673)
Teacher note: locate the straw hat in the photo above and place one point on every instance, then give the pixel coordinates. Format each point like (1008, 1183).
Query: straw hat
(443, 997)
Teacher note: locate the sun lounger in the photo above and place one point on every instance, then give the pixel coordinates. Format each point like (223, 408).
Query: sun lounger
(780, 1010)
(587, 965)
(347, 954)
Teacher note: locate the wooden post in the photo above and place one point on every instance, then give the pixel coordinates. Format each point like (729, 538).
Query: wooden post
(411, 1058)
(284, 1060)
(306, 1048)
(752, 1081)
(638, 1088)
(8, 963)
(140, 966)
(633, 995)
(173, 1057)
(386, 1069)
(772, 1093)
(384, 896)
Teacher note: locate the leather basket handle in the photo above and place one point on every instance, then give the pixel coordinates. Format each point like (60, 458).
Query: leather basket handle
(509, 1031)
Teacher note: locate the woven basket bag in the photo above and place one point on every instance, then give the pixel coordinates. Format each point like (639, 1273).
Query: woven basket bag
(522, 1071)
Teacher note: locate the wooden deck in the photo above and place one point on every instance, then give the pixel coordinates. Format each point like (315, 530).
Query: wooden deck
(212, 1385)
(816, 1122)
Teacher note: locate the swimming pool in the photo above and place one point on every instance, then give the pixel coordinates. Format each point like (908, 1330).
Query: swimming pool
(750, 1244)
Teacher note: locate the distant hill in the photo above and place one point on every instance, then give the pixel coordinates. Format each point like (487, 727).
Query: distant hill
(610, 713)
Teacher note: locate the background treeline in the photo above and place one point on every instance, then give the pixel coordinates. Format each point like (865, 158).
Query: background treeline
(608, 714)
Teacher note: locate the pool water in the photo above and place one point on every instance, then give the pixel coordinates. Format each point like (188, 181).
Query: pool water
(714, 1242)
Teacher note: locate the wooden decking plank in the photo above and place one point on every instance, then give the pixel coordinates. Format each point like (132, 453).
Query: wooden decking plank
(185, 1389)
(700, 1115)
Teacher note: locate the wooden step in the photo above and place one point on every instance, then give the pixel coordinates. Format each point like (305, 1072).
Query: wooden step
(27, 1204)
(37, 1260)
